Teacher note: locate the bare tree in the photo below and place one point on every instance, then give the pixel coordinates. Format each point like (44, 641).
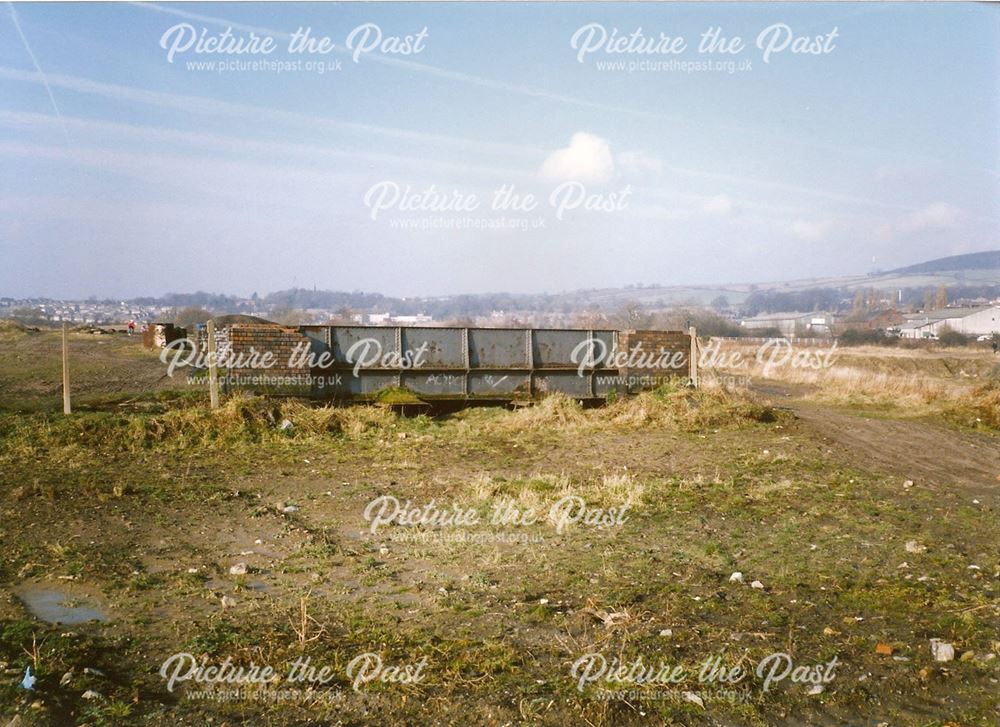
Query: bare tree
(191, 316)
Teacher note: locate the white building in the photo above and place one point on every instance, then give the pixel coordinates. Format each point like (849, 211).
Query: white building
(791, 324)
(967, 321)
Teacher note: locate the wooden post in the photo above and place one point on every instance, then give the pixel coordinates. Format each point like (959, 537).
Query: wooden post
(694, 356)
(213, 373)
(67, 407)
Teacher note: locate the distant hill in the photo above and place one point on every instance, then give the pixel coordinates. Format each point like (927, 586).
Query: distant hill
(972, 275)
(989, 260)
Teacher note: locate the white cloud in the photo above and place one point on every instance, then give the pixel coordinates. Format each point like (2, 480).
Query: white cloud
(935, 216)
(810, 231)
(588, 158)
(721, 205)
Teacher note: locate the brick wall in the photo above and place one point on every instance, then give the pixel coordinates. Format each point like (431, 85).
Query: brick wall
(656, 347)
(244, 339)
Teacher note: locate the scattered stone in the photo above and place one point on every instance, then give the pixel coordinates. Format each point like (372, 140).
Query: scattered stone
(908, 484)
(830, 632)
(884, 649)
(66, 678)
(815, 689)
(94, 672)
(974, 567)
(666, 632)
(543, 601)
(612, 618)
(240, 569)
(289, 509)
(967, 656)
(758, 585)
(91, 694)
(693, 698)
(383, 550)
(912, 546)
(286, 424)
(192, 570)
(942, 650)
(228, 602)
(736, 577)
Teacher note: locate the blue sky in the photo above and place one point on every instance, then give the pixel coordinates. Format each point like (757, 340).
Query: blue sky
(123, 174)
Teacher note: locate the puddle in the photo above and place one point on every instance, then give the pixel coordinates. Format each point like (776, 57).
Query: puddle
(58, 607)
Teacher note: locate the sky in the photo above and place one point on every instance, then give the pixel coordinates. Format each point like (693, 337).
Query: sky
(443, 148)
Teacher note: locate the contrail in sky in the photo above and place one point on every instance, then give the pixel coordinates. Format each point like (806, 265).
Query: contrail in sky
(41, 73)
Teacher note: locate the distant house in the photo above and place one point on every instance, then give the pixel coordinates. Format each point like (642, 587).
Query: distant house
(384, 319)
(968, 321)
(791, 324)
(415, 320)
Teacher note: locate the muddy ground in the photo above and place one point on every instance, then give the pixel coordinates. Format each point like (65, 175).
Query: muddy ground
(869, 534)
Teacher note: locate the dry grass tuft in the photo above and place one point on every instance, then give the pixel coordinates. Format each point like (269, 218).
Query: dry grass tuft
(669, 406)
(244, 420)
(556, 411)
(12, 330)
(978, 408)
(688, 410)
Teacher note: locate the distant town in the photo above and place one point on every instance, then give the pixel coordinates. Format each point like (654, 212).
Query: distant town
(866, 314)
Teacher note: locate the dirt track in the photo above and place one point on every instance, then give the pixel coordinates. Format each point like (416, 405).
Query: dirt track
(930, 454)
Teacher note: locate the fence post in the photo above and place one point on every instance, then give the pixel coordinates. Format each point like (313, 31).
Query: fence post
(213, 373)
(694, 356)
(67, 407)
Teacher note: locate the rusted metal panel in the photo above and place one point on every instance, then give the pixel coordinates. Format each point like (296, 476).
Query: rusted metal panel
(449, 384)
(350, 344)
(500, 385)
(473, 363)
(438, 347)
(497, 348)
(559, 348)
(566, 382)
